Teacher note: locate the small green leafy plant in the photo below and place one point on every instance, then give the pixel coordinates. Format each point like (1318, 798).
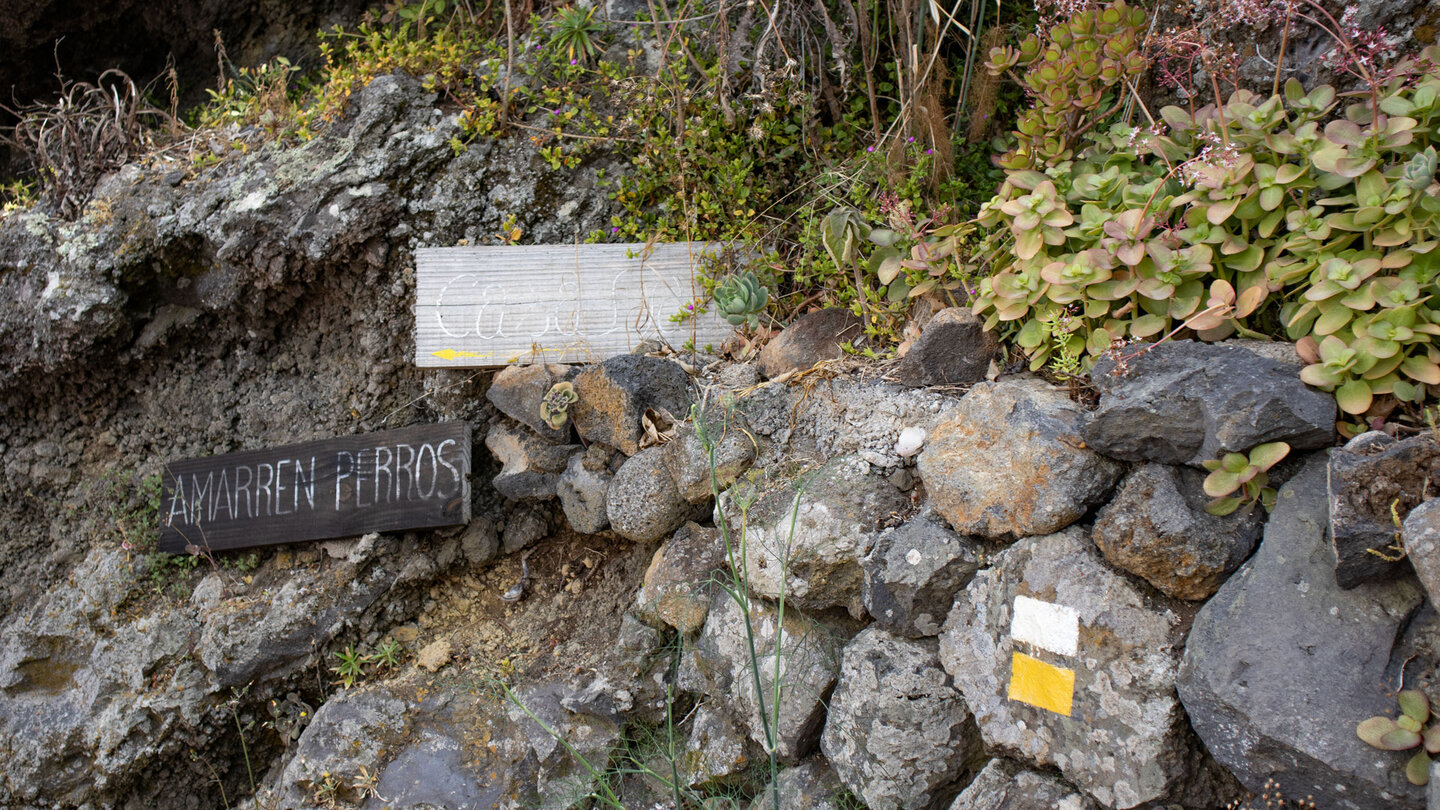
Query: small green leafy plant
(555, 406)
(1405, 732)
(351, 667)
(574, 30)
(1241, 478)
(387, 655)
(741, 299)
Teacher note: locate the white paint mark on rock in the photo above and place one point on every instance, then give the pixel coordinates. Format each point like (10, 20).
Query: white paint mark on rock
(1046, 625)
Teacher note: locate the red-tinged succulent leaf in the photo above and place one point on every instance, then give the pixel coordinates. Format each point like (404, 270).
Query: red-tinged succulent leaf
(1268, 455)
(1221, 483)
(1399, 740)
(1431, 738)
(1375, 728)
(1417, 770)
(1220, 507)
(1415, 705)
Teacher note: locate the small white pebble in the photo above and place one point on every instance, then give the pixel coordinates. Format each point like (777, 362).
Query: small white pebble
(913, 556)
(910, 441)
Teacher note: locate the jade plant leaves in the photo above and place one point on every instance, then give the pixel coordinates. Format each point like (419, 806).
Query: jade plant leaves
(1319, 227)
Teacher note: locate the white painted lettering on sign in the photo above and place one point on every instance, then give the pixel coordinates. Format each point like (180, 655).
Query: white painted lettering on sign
(1046, 625)
(493, 306)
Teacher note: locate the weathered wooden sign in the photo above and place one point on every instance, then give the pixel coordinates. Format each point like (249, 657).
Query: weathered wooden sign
(493, 306)
(413, 478)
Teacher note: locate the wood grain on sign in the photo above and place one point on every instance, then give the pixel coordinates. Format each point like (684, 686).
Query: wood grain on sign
(493, 306)
(412, 478)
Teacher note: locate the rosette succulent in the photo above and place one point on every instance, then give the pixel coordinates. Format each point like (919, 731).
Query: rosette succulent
(741, 299)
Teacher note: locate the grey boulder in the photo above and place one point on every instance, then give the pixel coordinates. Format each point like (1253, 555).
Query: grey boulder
(1183, 402)
(682, 579)
(1421, 537)
(806, 540)
(518, 390)
(1006, 785)
(615, 394)
(531, 465)
(689, 461)
(1067, 664)
(582, 489)
(812, 785)
(642, 502)
(898, 733)
(810, 339)
(1282, 664)
(1374, 482)
(720, 664)
(913, 573)
(717, 753)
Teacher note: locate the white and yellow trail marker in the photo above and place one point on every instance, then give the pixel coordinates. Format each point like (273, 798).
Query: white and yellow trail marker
(1053, 628)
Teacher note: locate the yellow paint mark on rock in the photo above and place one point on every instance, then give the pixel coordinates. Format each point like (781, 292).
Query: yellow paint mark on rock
(1035, 682)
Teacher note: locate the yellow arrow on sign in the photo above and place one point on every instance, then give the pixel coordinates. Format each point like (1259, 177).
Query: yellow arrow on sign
(451, 354)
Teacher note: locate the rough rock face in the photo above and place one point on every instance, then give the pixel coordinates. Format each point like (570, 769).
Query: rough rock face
(1010, 462)
(716, 753)
(90, 696)
(421, 751)
(898, 733)
(1421, 538)
(913, 573)
(1049, 606)
(583, 488)
(1280, 639)
(1373, 481)
(806, 540)
(642, 502)
(720, 665)
(689, 462)
(680, 582)
(954, 349)
(811, 784)
(615, 394)
(1156, 527)
(1183, 402)
(1005, 785)
(809, 340)
(258, 303)
(531, 465)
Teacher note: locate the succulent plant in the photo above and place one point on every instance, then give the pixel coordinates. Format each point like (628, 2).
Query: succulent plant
(555, 405)
(1245, 473)
(1077, 66)
(1406, 732)
(741, 299)
(1329, 230)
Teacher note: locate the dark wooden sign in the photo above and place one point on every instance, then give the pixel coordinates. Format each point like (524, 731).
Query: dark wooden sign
(413, 478)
